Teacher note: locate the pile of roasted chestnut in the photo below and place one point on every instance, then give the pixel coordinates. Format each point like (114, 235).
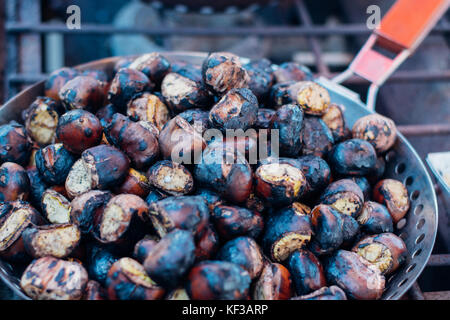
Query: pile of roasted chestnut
(93, 205)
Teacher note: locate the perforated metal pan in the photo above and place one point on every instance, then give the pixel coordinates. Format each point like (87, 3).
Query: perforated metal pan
(418, 229)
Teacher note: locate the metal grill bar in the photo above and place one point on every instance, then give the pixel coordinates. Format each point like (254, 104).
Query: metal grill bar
(439, 260)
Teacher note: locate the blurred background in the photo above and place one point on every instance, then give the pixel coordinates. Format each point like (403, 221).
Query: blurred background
(324, 35)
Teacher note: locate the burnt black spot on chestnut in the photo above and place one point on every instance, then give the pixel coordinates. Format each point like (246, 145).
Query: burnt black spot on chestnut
(306, 271)
(88, 132)
(37, 187)
(261, 78)
(154, 65)
(345, 196)
(99, 260)
(317, 138)
(197, 118)
(324, 293)
(54, 163)
(214, 280)
(317, 173)
(327, 225)
(364, 185)
(171, 258)
(264, 118)
(291, 71)
(394, 195)
(287, 230)
(85, 207)
(143, 248)
(207, 245)
(56, 80)
(105, 114)
(232, 221)
(375, 218)
(288, 119)
(353, 157)
(377, 130)
(14, 145)
(14, 182)
(350, 230)
(83, 92)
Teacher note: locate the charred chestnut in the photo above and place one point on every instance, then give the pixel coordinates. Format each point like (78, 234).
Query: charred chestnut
(316, 138)
(327, 225)
(56, 80)
(79, 130)
(364, 185)
(394, 196)
(142, 248)
(55, 207)
(170, 259)
(105, 114)
(325, 293)
(274, 283)
(317, 174)
(148, 107)
(285, 93)
(197, 118)
(386, 251)
(237, 109)
(79, 180)
(127, 83)
(307, 271)
(291, 71)
(378, 172)
(355, 275)
(350, 230)
(260, 77)
(264, 118)
(335, 121)
(14, 144)
(100, 258)
(170, 177)
(207, 245)
(154, 196)
(41, 120)
(83, 92)
(37, 187)
(286, 231)
(379, 131)
(243, 251)
(353, 157)
(225, 171)
(136, 140)
(313, 98)
(135, 183)
(375, 218)
(211, 198)
(86, 206)
(154, 65)
(345, 196)
(127, 280)
(218, 280)
(232, 222)
(288, 119)
(183, 212)
(123, 62)
(49, 278)
(14, 182)
(58, 240)
(183, 91)
(54, 163)
(223, 71)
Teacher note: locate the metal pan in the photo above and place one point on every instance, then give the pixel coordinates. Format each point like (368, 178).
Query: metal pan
(420, 225)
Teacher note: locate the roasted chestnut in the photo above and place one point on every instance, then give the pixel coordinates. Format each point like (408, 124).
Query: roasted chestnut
(375, 218)
(56, 80)
(41, 120)
(211, 197)
(135, 183)
(287, 230)
(155, 195)
(232, 222)
(57, 240)
(154, 65)
(56, 207)
(379, 131)
(170, 259)
(83, 92)
(285, 93)
(335, 121)
(218, 280)
(364, 185)
(94, 291)
(243, 251)
(99, 260)
(327, 225)
(127, 83)
(260, 77)
(316, 137)
(79, 130)
(136, 140)
(142, 248)
(184, 91)
(37, 187)
(79, 180)
(180, 142)
(317, 174)
(279, 182)
(183, 212)
(223, 71)
(291, 71)
(50, 278)
(306, 271)
(122, 62)
(170, 177)
(353, 157)
(345, 196)
(324, 293)
(148, 107)
(14, 182)
(386, 251)
(127, 280)
(350, 230)
(225, 171)
(54, 163)
(264, 118)
(105, 114)
(274, 283)
(197, 118)
(394, 195)
(355, 275)
(207, 245)
(86, 206)
(288, 119)
(15, 146)
(313, 98)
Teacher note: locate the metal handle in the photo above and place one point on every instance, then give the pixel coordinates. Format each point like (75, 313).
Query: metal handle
(401, 30)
